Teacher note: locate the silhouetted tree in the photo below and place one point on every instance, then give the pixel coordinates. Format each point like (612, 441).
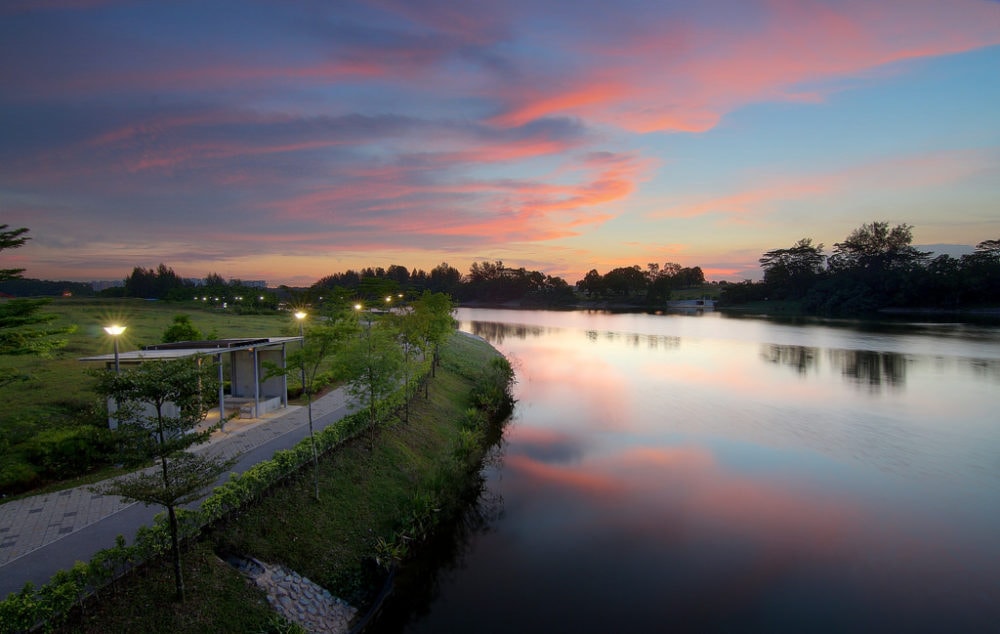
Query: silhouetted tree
(791, 272)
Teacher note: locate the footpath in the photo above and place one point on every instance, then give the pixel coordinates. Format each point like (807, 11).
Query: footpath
(42, 534)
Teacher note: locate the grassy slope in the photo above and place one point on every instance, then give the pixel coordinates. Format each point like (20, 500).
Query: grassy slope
(363, 495)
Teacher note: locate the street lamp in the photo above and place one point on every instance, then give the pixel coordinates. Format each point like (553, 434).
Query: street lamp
(300, 315)
(115, 331)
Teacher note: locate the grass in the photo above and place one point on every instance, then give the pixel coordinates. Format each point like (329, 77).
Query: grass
(59, 393)
(143, 603)
(364, 495)
(146, 322)
(712, 291)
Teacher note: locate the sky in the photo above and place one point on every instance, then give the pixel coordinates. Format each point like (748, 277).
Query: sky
(286, 141)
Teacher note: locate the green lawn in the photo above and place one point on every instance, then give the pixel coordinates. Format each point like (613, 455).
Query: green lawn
(58, 400)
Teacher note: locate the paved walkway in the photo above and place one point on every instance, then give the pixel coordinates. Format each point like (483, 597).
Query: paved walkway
(32, 525)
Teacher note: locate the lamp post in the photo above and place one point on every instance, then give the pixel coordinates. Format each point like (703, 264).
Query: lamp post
(115, 331)
(301, 317)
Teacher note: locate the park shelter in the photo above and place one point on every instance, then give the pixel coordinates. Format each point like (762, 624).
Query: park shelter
(250, 393)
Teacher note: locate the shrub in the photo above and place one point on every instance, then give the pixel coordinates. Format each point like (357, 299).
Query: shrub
(63, 453)
(16, 476)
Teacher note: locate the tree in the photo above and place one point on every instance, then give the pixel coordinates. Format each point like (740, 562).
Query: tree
(874, 267)
(433, 314)
(791, 272)
(625, 281)
(181, 330)
(411, 327)
(12, 239)
(372, 365)
(320, 342)
(875, 247)
(592, 284)
(444, 278)
(24, 330)
(214, 279)
(981, 273)
(153, 283)
(159, 406)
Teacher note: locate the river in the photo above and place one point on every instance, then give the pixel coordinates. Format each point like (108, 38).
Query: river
(700, 472)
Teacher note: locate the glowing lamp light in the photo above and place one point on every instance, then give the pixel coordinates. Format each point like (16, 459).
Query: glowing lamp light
(115, 331)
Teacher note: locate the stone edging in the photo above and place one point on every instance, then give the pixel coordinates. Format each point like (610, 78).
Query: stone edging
(297, 598)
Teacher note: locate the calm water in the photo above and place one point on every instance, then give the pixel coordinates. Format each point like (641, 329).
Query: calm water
(705, 473)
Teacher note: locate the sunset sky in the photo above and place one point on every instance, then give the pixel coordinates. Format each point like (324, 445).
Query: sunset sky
(286, 141)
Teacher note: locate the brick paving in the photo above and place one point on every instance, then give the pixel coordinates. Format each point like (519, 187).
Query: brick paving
(28, 524)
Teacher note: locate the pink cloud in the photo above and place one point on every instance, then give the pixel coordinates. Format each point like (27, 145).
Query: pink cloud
(577, 479)
(671, 74)
(415, 200)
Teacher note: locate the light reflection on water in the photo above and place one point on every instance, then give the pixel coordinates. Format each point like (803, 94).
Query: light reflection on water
(737, 474)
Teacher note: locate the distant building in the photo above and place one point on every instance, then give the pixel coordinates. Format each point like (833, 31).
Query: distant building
(262, 284)
(100, 285)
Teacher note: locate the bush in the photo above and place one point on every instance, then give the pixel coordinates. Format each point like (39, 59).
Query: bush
(64, 453)
(16, 476)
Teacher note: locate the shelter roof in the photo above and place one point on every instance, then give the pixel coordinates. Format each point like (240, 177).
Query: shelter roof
(183, 349)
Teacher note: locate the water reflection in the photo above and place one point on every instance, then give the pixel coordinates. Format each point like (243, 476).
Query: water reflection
(635, 340)
(867, 367)
(802, 358)
(497, 332)
(987, 368)
(740, 482)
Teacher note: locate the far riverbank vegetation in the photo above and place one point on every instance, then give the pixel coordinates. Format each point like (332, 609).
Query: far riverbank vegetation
(874, 268)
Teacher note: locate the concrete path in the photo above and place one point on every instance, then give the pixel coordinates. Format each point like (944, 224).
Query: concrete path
(42, 534)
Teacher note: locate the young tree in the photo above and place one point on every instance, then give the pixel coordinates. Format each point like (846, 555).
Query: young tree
(432, 313)
(372, 365)
(159, 406)
(411, 327)
(320, 343)
(23, 328)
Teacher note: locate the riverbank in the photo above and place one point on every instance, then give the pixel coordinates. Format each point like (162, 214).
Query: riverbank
(371, 497)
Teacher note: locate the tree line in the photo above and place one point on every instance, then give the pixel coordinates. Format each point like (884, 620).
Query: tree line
(488, 282)
(631, 283)
(875, 267)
